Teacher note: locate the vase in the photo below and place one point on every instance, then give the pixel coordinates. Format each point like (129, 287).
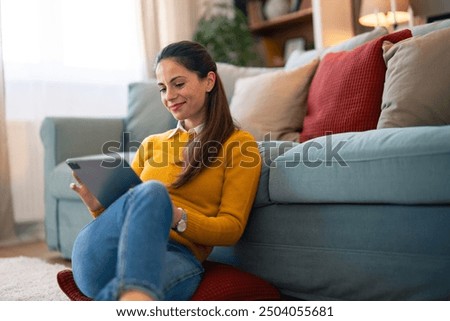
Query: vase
(276, 8)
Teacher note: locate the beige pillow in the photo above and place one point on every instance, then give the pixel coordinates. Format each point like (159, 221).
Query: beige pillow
(273, 102)
(416, 90)
(230, 73)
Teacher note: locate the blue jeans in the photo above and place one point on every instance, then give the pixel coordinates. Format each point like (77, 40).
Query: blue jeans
(128, 247)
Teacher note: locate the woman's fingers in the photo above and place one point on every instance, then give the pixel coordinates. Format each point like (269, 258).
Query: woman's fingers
(77, 178)
(75, 187)
(86, 196)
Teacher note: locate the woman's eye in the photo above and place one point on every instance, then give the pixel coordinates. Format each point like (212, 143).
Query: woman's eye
(162, 90)
(179, 85)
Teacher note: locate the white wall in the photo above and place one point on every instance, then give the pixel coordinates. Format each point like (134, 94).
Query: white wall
(333, 22)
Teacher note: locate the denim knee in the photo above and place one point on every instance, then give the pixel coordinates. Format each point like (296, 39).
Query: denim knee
(153, 186)
(153, 194)
(154, 189)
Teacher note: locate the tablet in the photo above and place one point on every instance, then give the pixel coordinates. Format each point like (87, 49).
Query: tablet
(106, 176)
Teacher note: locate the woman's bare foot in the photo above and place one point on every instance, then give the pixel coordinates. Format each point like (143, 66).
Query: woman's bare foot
(134, 295)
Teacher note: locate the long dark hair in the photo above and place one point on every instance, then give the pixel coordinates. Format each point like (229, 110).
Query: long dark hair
(202, 150)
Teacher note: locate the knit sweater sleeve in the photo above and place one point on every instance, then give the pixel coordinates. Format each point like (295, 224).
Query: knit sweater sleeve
(142, 154)
(240, 183)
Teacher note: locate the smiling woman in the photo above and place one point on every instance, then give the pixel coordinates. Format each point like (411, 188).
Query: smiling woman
(183, 92)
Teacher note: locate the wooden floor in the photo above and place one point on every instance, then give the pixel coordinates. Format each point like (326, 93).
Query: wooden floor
(29, 241)
(32, 249)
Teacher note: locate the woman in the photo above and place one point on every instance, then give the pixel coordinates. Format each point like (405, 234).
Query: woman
(200, 180)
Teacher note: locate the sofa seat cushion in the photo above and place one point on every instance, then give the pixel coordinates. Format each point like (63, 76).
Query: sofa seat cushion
(390, 166)
(269, 150)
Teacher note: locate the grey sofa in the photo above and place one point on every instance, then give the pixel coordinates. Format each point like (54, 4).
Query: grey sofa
(351, 216)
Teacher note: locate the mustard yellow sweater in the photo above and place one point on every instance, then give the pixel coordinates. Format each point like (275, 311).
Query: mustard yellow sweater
(217, 201)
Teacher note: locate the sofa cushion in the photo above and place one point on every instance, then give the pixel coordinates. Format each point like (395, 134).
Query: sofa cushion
(355, 41)
(269, 150)
(229, 74)
(146, 113)
(273, 103)
(345, 93)
(416, 90)
(424, 29)
(300, 58)
(390, 165)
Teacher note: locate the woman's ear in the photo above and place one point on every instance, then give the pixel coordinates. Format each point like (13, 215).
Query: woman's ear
(211, 78)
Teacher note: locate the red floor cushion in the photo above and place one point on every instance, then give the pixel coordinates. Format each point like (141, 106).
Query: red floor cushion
(223, 282)
(220, 282)
(67, 284)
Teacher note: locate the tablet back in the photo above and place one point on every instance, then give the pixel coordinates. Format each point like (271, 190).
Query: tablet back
(106, 176)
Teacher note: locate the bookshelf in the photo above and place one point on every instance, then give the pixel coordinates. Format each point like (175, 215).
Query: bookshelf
(275, 32)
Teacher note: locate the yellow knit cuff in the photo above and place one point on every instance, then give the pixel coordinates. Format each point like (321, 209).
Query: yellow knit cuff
(97, 213)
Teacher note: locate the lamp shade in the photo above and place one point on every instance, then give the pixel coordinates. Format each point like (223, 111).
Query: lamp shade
(383, 12)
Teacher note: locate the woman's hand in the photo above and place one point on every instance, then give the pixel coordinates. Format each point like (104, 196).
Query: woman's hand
(86, 196)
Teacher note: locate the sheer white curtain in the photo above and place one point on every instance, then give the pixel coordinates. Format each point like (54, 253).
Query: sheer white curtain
(63, 58)
(167, 21)
(71, 55)
(6, 208)
(75, 58)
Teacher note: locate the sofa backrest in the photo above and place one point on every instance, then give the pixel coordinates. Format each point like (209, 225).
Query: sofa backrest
(422, 30)
(146, 113)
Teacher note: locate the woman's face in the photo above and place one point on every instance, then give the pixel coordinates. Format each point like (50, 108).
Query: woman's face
(183, 92)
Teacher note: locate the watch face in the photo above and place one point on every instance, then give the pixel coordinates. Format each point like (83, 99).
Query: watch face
(181, 226)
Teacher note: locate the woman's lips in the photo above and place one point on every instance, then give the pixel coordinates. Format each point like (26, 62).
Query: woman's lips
(175, 107)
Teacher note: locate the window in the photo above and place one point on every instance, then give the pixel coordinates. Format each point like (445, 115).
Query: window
(70, 57)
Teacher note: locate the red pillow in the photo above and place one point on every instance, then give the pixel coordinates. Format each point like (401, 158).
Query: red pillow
(221, 282)
(346, 91)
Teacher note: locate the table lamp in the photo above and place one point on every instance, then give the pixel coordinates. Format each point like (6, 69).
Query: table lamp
(385, 13)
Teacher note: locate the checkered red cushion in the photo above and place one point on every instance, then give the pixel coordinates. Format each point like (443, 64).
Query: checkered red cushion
(221, 282)
(346, 91)
(67, 284)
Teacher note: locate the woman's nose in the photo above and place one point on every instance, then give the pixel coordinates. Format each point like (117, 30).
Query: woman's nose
(170, 94)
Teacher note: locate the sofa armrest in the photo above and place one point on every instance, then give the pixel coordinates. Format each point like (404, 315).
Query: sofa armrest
(65, 137)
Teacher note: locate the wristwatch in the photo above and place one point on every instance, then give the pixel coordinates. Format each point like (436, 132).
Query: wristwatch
(182, 223)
